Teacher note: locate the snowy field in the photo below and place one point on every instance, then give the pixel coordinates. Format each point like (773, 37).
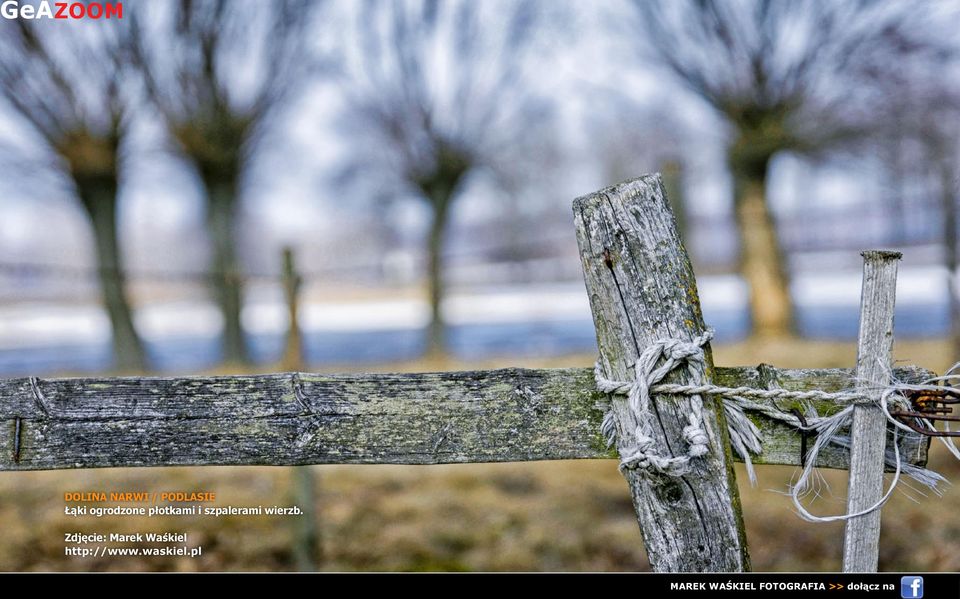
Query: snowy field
(530, 320)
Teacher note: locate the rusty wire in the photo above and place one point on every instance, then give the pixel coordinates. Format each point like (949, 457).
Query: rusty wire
(932, 405)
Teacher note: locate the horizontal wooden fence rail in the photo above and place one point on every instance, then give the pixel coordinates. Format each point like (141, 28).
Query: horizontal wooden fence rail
(288, 419)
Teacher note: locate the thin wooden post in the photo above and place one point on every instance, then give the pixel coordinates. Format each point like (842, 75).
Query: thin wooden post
(292, 359)
(642, 289)
(307, 549)
(307, 538)
(861, 541)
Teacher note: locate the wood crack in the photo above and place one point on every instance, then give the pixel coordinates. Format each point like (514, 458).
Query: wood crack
(38, 396)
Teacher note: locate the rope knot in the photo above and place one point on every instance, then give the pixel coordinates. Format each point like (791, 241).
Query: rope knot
(676, 350)
(653, 365)
(696, 438)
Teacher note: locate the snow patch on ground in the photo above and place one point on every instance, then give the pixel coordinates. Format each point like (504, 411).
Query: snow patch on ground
(44, 324)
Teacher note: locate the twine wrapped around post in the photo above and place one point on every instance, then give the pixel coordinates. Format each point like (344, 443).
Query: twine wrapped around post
(662, 357)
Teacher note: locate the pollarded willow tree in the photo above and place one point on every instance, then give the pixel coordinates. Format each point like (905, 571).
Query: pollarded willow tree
(922, 156)
(437, 93)
(220, 72)
(70, 85)
(805, 76)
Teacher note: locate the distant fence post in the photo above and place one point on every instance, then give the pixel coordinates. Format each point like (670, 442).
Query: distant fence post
(307, 547)
(292, 359)
(868, 440)
(642, 289)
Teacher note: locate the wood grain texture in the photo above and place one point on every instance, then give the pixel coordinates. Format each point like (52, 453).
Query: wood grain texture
(642, 289)
(288, 419)
(861, 541)
(345, 419)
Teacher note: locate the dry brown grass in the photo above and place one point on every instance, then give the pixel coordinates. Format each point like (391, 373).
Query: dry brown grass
(537, 516)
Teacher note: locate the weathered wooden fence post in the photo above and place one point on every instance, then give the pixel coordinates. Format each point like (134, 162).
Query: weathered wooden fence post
(642, 289)
(861, 541)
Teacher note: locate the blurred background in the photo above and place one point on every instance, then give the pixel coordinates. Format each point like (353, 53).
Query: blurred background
(239, 186)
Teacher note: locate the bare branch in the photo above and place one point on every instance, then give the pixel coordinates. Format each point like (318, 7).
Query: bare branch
(822, 70)
(435, 81)
(218, 71)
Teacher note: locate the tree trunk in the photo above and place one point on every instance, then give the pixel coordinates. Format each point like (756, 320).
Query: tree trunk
(761, 260)
(436, 333)
(99, 197)
(226, 276)
(949, 206)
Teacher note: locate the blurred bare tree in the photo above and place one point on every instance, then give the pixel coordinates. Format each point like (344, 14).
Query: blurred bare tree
(219, 72)
(68, 84)
(438, 92)
(631, 139)
(924, 146)
(804, 76)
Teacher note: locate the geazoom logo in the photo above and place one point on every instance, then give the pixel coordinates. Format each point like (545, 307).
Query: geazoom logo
(12, 9)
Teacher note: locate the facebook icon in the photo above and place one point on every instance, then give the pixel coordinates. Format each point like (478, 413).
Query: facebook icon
(911, 587)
